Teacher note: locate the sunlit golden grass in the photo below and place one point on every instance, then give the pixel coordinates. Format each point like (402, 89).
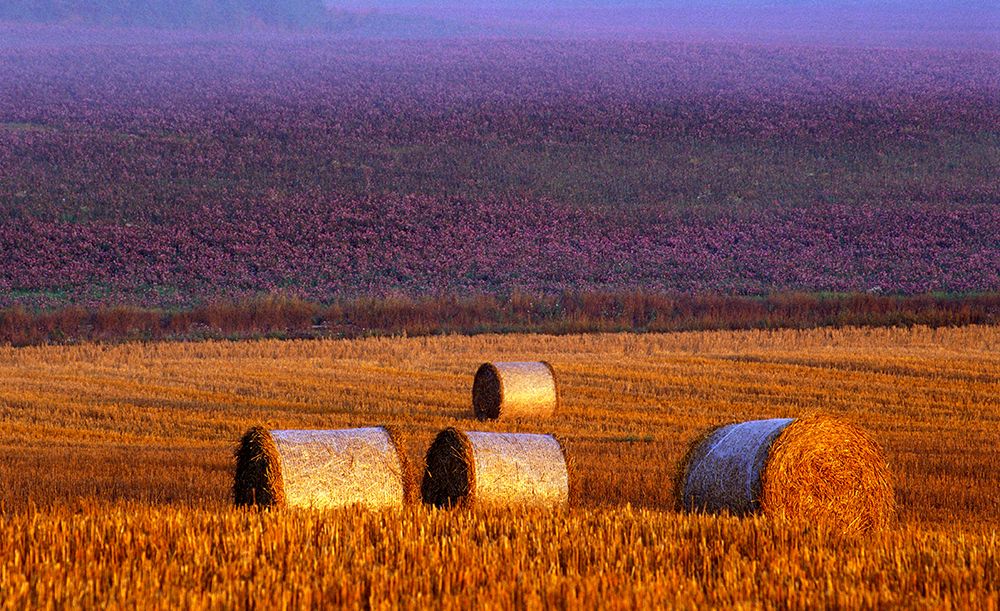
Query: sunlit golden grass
(606, 558)
(116, 466)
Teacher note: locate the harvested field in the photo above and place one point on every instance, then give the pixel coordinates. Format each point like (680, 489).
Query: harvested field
(151, 428)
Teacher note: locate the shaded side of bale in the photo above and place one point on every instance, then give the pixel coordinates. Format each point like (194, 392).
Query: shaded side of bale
(322, 468)
(449, 476)
(826, 471)
(514, 389)
(817, 469)
(487, 392)
(258, 480)
(722, 470)
(695, 450)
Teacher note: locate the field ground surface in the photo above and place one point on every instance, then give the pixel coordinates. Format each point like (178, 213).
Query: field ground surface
(116, 464)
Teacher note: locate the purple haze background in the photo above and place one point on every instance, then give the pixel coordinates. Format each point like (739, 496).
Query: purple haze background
(868, 23)
(170, 168)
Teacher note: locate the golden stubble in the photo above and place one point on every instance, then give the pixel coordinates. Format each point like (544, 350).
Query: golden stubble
(116, 470)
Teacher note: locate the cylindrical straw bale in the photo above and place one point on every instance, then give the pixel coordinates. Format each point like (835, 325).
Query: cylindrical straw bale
(817, 469)
(505, 390)
(495, 469)
(321, 468)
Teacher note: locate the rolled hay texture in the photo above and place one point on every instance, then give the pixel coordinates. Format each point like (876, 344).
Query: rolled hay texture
(817, 469)
(495, 469)
(321, 468)
(511, 390)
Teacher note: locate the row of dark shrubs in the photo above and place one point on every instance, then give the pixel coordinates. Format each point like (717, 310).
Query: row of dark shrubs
(277, 316)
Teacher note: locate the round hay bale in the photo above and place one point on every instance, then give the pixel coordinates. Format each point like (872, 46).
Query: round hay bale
(505, 390)
(321, 468)
(817, 469)
(496, 469)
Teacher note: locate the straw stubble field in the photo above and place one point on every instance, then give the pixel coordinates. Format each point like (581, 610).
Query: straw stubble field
(116, 470)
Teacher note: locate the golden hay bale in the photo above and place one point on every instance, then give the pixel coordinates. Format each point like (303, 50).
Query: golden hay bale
(817, 469)
(321, 468)
(514, 389)
(508, 469)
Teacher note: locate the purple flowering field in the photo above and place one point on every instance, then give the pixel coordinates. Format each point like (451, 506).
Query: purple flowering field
(177, 169)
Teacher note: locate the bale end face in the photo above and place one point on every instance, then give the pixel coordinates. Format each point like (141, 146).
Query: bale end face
(258, 480)
(487, 392)
(450, 473)
(828, 472)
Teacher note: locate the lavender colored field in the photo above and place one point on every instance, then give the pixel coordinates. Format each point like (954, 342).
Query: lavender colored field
(316, 249)
(168, 172)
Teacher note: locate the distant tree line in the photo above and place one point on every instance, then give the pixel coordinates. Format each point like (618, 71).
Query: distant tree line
(169, 13)
(583, 312)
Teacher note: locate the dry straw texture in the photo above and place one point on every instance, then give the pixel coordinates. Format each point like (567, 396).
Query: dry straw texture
(144, 513)
(496, 469)
(816, 469)
(320, 468)
(511, 390)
